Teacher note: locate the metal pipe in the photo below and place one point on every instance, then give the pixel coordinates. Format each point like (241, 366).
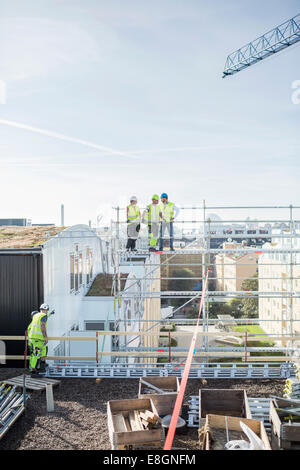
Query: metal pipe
(212, 278)
(234, 221)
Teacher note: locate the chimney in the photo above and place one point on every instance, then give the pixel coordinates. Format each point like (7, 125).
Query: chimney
(62, 215)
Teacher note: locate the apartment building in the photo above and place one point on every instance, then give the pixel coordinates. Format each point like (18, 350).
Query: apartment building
(232, 268)
(280, 273)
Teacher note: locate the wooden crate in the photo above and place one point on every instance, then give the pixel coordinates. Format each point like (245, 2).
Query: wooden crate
(164, 403)
(284, 435)
(233, 423)
(120, 437)
(224, 402)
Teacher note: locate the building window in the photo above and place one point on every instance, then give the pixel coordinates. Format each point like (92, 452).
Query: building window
(88, 265)
(91, 264)
(94, 326)
(129, 314)
(72, 270)
(80, 269)
(114, 338)
(76, 275)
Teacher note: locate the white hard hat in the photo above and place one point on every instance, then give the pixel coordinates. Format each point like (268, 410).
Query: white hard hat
(133, 198)
(44, 307)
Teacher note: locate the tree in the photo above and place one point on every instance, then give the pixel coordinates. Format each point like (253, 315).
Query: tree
(235, 307)
(250, 303)
(250, 284)
(182, 284)
(218, 308)
(193, 313)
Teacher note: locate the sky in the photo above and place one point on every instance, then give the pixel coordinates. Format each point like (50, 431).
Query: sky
(104, 99)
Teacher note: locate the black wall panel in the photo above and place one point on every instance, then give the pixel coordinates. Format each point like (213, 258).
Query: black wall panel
(21, 292)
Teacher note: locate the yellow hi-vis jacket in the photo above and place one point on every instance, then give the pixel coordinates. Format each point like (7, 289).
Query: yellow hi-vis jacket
(153, 211)
(167, 211)
(34, 329)
(133, 213)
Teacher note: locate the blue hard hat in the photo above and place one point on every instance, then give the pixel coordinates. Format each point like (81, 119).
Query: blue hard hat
(164, 195)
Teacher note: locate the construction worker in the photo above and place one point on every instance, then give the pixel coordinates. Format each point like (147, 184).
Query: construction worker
(38, 340)
(152, 218)
(133, 221)
(168, 212)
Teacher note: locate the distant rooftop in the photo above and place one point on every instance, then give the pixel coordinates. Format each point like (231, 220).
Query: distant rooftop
(17, 222)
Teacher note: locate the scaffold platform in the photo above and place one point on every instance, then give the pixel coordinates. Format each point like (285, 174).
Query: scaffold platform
(202, 371)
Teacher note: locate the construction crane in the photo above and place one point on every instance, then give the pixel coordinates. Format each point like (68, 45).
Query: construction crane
(274, 41)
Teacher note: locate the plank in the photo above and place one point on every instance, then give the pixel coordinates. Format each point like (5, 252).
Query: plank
(138, 420)
(127, 425)
(150, 414)
(145, 424)
(159, 390)
(31, 383)
(149, 417)
(286, 400)
(146, 437)
(216, 421)
(119, 423)
(129, 404)
(169, 384)
(31, 387)
(134, 425)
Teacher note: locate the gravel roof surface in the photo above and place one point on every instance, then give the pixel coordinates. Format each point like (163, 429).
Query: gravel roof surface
(79, 421)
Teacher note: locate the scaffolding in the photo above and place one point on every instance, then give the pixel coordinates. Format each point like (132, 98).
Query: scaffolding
(257, 238)
(148, 344)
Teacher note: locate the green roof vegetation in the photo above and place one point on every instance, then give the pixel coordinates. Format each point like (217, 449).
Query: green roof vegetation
(103, 285)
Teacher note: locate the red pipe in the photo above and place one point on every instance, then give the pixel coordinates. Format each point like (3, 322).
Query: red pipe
(185, 376)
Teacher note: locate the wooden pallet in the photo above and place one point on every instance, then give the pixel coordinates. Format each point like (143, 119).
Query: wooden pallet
(32, 383)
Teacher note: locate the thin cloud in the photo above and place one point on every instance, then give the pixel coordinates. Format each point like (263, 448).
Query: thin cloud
(66, 138)
(38, 47)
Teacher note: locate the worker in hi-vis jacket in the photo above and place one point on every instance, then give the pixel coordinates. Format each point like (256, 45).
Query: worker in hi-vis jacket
(168, 212)
(152, 218)
(133, 223)
(38, 339)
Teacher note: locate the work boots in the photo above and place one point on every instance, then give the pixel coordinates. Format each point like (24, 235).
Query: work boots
(34, 373)
(43, 367)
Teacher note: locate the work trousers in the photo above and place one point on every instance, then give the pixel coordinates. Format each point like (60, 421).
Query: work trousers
(153, 231)
(169, 227)
(37, 349)
(132, 233)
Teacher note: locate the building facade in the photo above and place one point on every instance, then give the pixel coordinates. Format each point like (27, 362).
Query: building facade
(232, 269)
(279, 273)
(73, 261)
